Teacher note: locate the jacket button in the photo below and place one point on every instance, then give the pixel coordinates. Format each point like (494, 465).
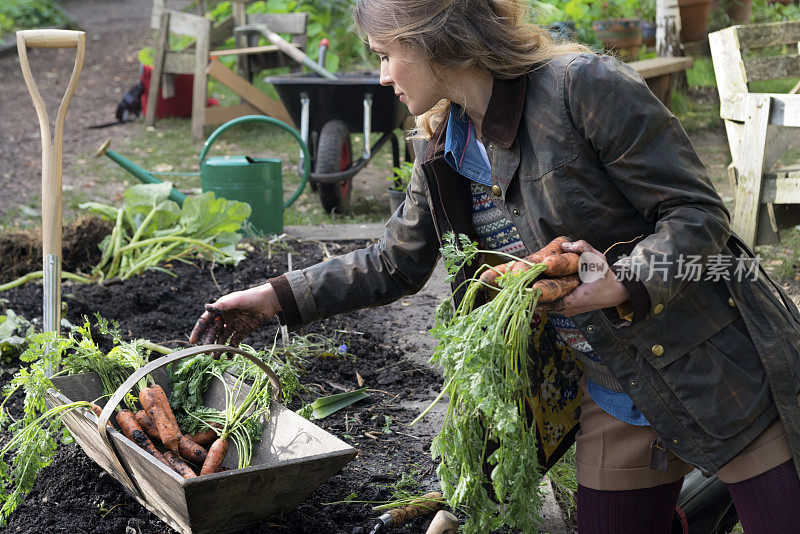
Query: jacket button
(590, 328)
(675, 441)
(516, 211)
(658, 309)
(633, 383)
(731, 302)
(657, 350)
(496, 191)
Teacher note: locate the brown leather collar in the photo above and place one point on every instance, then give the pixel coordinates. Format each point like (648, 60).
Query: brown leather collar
(502, 118)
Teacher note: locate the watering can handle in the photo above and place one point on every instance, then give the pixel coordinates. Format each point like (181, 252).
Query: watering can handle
(275, 122)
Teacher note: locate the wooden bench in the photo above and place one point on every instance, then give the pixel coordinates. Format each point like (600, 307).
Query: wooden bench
(760, 126)
(659, 73)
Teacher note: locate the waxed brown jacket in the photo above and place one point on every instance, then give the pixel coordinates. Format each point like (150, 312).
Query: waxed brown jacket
(580, 147)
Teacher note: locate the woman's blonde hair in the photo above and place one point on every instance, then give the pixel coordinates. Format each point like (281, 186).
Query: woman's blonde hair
(493, 35)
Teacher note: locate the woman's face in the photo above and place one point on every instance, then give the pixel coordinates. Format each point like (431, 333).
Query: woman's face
(409, 74)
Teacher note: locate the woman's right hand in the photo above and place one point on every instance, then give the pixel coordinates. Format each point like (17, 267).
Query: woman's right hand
(235, 315)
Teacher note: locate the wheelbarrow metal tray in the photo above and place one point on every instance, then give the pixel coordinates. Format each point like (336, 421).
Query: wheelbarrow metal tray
(343, 99)
(292, 459)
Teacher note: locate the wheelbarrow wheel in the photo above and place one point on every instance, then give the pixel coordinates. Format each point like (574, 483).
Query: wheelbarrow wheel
(334, 154)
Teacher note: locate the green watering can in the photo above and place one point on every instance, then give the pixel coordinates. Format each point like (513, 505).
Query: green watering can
(256, 181)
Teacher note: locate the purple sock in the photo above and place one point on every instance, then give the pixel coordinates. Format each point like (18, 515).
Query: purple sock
(627, 512)
(769, 503)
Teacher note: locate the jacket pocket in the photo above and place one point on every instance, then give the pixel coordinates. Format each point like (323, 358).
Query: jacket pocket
(721, 382)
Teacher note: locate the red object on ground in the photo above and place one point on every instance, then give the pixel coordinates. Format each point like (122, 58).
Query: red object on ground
(179, 105)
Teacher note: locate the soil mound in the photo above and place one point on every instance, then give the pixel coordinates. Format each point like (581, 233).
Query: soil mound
(21, 252)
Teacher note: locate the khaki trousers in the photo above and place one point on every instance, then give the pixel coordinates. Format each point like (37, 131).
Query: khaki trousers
(612, 455)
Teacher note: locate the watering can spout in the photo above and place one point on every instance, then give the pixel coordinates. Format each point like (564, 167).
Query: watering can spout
(137, 171)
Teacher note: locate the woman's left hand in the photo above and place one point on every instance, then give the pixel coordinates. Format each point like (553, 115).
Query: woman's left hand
(594, 293)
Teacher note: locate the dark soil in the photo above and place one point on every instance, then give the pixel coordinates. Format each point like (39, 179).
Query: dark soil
(74, 494)
(21, 251)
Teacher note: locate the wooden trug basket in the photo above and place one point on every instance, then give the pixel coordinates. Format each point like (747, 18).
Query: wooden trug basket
(292, 459)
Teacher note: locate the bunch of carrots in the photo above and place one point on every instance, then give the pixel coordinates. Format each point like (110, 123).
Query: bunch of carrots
(559, 278)
(156, 422)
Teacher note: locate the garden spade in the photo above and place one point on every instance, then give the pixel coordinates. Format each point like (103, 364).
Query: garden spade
(51, 159)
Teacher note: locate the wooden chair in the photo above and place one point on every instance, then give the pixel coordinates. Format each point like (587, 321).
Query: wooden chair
(168, 62)
(760, 126)
(201, 62)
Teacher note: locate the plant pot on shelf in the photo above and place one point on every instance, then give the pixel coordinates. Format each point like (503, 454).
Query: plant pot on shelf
(621, 36)
(395, 198)
(694, 19)
(648, 33)
(739, 10)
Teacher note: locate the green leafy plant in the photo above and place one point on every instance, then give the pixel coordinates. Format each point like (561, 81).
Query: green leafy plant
(401, 176)
(36, 434)
(24, 14)
(151, 230)
(13, 331)
(484, 353)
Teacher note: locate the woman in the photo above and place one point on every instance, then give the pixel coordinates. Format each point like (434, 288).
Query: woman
(519, 141)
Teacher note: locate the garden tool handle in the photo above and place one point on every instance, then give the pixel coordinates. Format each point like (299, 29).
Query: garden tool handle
(51, 160)
(149, 367)
(51, 146)
(275, 122)
(51, 38)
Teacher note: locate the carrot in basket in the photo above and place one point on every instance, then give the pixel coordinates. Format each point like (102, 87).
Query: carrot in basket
(147, 424)
(169, 433)
(216, 454)
(181, 467)
(191, 451)
(162, 399)
(561, 264)
(555, 288)
(132, 430)
(97, 411)
(206, 437)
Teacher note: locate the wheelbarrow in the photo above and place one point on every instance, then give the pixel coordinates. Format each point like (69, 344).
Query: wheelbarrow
(292, 459)
(328, 111)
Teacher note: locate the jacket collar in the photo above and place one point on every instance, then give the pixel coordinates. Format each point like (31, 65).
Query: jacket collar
(501, 122)
(503, 115)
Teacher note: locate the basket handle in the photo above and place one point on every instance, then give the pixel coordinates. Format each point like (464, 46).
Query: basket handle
(275, 122)
(137, 375)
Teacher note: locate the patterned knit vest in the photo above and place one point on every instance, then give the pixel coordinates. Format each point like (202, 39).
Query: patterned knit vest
(496, 232)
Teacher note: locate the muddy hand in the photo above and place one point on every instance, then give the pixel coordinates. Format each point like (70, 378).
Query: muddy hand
(234, 316)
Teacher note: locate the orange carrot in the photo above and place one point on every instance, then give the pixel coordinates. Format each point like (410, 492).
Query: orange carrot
(147, 424)
(132, 430)
(181, 467)
(97, 411)
(216, 454)
(206, 437)
(555, 288)
(169, 433)
(191, 451)
(553, 247)
(162, 399)
(561, 264)
(489, 276)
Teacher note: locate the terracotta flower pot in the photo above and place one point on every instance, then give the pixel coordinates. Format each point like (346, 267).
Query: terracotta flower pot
(739, 10)
(622, 36)
(694, 19)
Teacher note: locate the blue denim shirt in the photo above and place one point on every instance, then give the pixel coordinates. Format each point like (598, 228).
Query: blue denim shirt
(461, 151)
